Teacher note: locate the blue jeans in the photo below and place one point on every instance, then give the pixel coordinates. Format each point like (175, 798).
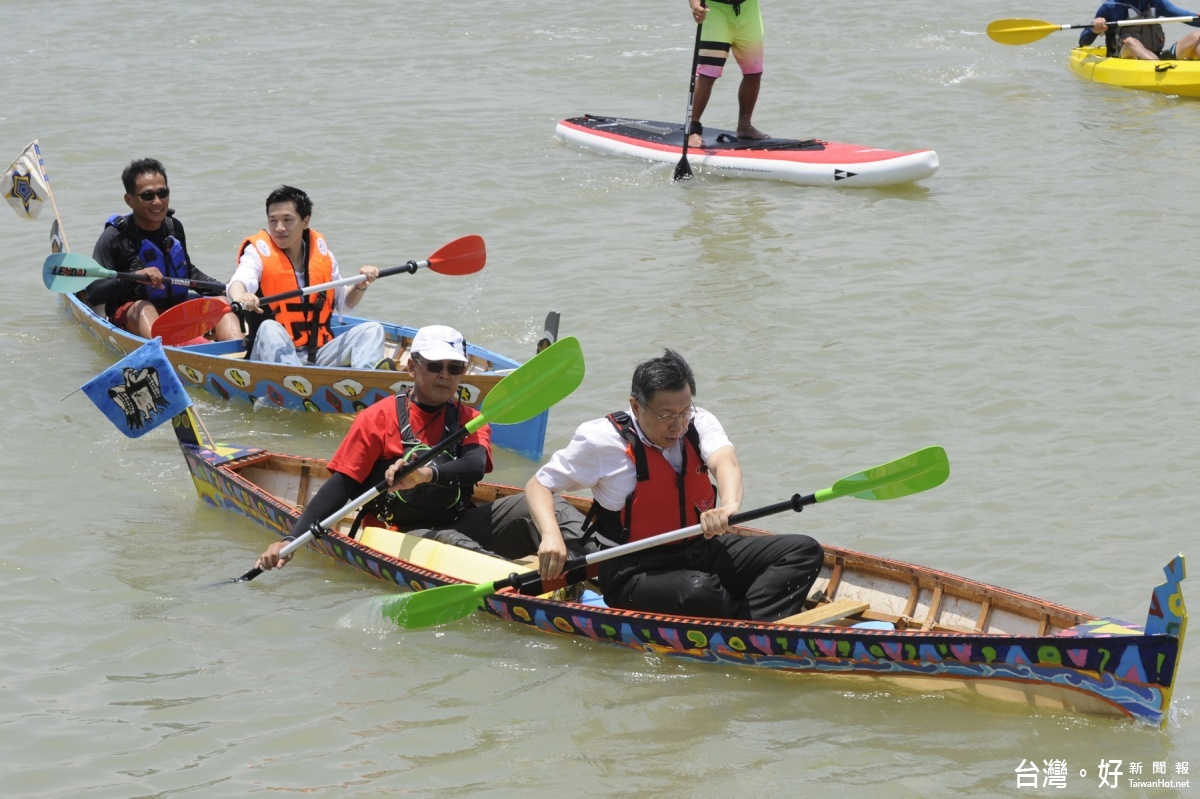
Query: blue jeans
(360, 347)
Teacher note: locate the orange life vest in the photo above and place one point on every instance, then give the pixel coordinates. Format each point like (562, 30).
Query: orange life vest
(301, 316)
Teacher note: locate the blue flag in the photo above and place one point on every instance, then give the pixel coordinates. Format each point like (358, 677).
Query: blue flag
(139, 392)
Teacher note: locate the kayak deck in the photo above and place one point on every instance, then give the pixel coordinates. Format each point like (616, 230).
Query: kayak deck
(1180, 78)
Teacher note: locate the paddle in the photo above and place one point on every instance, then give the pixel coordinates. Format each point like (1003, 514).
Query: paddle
(683, 170)
(549, 331)
(68, 272)
(186, 321)
(534, 387)
(920, 471)
(1024, 31)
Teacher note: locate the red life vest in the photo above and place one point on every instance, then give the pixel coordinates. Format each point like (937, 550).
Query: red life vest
(301, 316)
(663, 499)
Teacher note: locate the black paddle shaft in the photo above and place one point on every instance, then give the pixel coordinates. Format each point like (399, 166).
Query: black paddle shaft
(575, 569)
(683, 170)
(194, 285)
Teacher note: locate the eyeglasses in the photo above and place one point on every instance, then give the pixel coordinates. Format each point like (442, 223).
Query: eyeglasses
(681, 418)
(147, 196)
(454, 368)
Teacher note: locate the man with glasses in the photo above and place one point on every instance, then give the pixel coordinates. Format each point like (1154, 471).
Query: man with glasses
(150, 243)
(649, 470)
(435, 500)
(289, 255)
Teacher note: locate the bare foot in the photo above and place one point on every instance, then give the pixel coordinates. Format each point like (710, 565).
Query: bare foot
(751, 132)
(695, 142)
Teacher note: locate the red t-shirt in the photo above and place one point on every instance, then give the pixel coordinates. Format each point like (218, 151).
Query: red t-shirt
(375, 436)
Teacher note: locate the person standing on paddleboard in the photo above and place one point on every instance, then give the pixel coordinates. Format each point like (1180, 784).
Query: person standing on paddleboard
(728, 25)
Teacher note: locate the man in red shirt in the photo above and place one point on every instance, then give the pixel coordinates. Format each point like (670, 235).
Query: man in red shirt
(435, 500)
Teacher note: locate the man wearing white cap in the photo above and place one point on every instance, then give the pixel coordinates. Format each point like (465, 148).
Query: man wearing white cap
(435, 500)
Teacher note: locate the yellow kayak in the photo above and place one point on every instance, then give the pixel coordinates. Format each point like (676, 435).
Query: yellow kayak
(1167, 77)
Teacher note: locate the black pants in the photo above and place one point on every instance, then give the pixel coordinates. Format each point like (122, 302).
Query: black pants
(763, 578)
(505, 528)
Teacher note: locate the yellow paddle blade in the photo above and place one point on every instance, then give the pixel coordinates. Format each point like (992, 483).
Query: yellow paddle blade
(1021, 31)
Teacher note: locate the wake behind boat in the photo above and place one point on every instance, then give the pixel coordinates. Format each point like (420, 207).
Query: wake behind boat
(868, 617)
(809, 162)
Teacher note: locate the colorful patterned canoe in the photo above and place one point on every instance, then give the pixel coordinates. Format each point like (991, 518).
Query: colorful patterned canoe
(221, 369)
(872, 618)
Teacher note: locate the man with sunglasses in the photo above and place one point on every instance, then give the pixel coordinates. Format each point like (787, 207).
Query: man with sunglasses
(288, 255)
(150, 243)
(649, 471)
(435, 500)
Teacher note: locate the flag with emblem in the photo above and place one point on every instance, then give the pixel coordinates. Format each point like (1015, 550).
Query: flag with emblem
(24, 184)
(139, 392)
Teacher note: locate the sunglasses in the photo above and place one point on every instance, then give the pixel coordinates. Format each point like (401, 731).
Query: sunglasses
(162, 194)
(454, 368)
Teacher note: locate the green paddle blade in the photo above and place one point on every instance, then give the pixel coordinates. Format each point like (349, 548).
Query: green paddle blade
(922, 470)
(435, 606)
(1020, 31)
(543, 380)
(68, 272)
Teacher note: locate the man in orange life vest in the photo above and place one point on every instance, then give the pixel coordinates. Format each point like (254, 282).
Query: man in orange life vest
(151, 244)
(290, 255)
(648, 469)
(435, 500)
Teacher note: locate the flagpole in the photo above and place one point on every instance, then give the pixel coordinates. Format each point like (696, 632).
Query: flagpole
(62, 229)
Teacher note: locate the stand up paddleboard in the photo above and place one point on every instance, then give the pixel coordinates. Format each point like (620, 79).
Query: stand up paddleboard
(810, 162)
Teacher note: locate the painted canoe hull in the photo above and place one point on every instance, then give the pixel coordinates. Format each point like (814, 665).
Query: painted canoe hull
(951, 633)
(220, 369)
(818, 164)
(1166, 77)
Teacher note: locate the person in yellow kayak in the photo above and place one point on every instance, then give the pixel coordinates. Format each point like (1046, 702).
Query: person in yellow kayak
(289, 255)
(435, 500)
(150, 243)
(728, 25)
(1146, 42)
(650, 470)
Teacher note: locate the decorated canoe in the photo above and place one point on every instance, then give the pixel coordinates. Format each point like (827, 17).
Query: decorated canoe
(870, 617)
(1166, 77)
(221, 368)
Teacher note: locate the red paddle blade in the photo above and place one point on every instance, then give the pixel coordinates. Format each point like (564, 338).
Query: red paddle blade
(463, 256)
(190, 319)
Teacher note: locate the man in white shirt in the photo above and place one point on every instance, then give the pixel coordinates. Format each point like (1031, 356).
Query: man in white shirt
(649, 472)
(289, 255)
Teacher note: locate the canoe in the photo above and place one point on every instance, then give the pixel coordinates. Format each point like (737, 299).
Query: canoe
(873, 618)
(1167, 77)
(221, 368)
(810, 162)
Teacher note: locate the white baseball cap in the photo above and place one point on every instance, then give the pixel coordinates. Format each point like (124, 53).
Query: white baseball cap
(439, 343)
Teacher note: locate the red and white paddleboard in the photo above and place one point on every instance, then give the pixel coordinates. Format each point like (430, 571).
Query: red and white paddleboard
(810, 162)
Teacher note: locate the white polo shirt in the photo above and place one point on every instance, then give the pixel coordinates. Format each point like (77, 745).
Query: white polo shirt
(596, 459)
(250, 268)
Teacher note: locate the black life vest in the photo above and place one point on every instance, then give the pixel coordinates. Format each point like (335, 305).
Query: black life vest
(429, 504)
(1150, 35)
(172, 263)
